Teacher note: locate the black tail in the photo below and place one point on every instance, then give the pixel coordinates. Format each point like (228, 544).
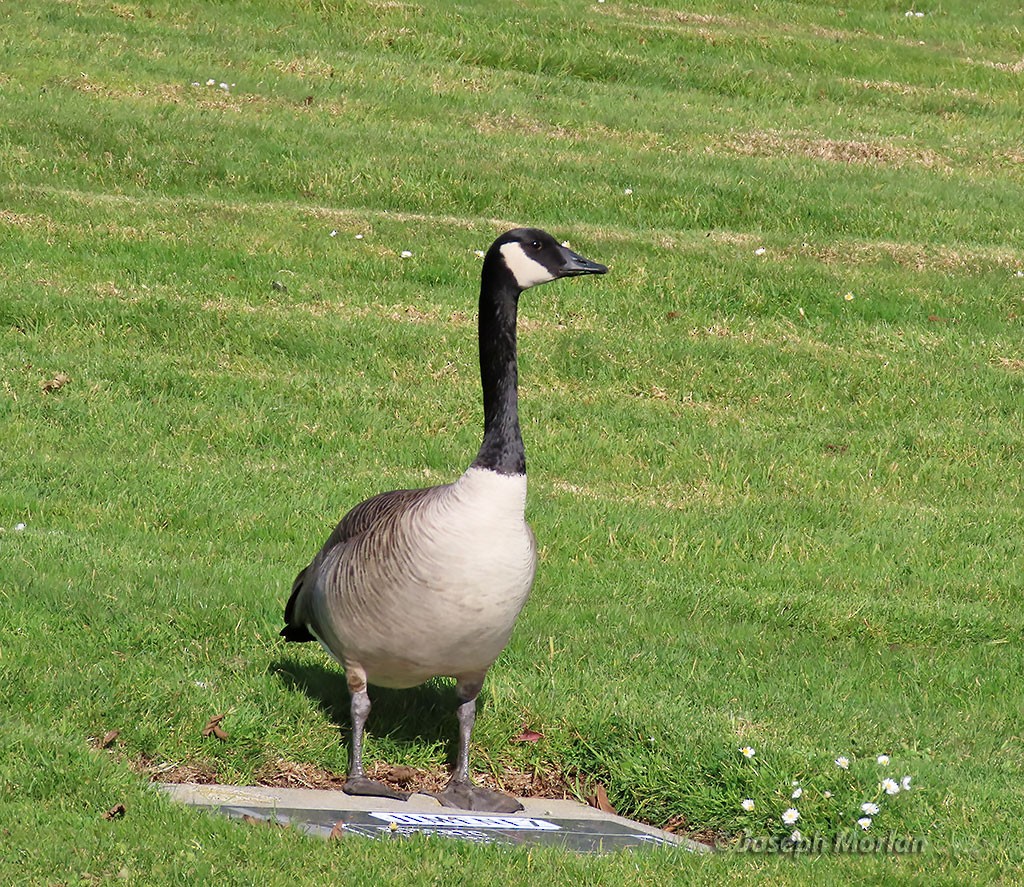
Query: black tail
(292, 630)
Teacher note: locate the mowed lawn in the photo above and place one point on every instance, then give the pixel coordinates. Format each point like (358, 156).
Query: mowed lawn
(775, 454)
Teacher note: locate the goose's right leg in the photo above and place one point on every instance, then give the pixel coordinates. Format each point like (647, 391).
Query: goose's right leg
(358, 783)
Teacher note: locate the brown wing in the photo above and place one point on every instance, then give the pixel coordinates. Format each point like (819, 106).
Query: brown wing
(356, 522)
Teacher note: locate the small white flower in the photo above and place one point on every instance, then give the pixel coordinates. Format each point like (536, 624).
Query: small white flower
(334, 233)
(565, 243)
(1019, 274)
(849, 297)
(797, 792)
(479, 253)
(827, 795)
(796, 837)
(891, 786)
(760, 251)
(883, 760)
(747, 752)
(18, 528)
(869, 807)
(905, 783)
(801, 310)
(359, 237)
(864, 822)
(790, 816)
(224, 86)
(406, 254)
(196, 83)
(628, 191)
(747, 804)
(843, 763)
(211, 82)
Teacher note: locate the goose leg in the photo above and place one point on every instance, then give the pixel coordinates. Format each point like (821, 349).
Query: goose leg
(358, 783)
(461, 792)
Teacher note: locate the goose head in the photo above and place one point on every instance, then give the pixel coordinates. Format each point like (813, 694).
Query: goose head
(528, 257)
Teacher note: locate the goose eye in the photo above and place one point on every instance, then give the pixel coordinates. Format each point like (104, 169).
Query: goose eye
(535, 245)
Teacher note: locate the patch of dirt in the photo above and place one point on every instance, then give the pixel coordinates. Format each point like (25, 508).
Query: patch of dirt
(200, 773)
(282, 773)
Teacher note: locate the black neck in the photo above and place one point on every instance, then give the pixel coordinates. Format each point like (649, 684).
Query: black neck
(502, 449)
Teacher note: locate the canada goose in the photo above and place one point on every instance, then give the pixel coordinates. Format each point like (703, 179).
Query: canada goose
(414, 584)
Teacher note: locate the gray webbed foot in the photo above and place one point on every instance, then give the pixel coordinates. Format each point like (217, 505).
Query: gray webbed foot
(363, 786)
(465, 795)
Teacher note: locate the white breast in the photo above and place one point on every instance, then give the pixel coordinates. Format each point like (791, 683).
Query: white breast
(447, 600)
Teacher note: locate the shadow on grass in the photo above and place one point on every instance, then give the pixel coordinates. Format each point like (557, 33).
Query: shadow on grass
(420, 714)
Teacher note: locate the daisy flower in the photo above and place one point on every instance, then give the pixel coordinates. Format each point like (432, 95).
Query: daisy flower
(747, 804)
(747, 752)
(843, 763)
(864, 822)
(870, 808)
(891, 786)
(905, 783)
(790, 816)
(883, 760)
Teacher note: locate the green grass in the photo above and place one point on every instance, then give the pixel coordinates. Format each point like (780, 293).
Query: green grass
(769, 514)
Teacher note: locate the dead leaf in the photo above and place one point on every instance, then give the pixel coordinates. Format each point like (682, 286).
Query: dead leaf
(402, 775)
(338, 831)
(115, 812)
(213, 727)
(255, 820)
(109, 738)
(54, 384)
(600, 799)
(528, 735)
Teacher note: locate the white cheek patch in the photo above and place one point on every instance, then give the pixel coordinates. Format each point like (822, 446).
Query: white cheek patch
(525, 270)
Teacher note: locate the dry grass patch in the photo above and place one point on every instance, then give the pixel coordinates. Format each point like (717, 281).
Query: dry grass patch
(1012, 364)
(492, 124)
(910, 255)
(311, 66)
(848, 151)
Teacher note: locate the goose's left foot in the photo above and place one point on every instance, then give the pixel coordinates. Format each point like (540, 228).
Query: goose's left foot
(463, 794)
